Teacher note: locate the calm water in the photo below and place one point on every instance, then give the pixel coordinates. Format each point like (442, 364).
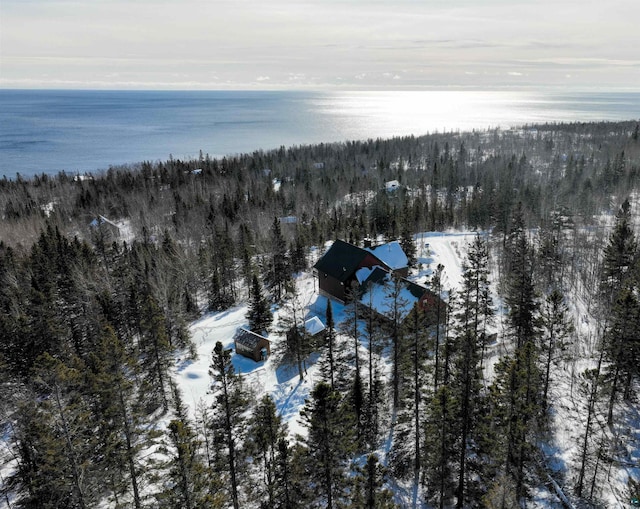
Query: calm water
(46, 131)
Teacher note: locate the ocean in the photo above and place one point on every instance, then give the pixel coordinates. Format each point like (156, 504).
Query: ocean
(48, 131)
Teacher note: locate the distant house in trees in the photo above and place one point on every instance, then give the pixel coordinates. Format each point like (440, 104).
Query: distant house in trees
(252, 345)
(104, 229)
(392, 186)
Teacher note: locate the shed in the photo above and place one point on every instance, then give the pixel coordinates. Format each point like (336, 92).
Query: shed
(252, 345)
(314, 326)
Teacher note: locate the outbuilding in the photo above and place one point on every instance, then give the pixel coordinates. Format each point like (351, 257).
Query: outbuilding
(252, 345)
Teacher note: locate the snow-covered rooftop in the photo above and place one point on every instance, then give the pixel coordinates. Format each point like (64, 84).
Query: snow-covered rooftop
(314, 325)
(391, 254)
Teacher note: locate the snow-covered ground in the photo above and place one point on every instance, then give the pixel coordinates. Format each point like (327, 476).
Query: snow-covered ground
(561, 448)
(289, 393)
(283, 383)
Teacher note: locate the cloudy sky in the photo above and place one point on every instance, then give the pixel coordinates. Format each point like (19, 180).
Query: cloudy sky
(320, 44)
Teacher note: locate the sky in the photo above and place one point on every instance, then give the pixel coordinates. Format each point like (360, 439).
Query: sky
(320, 44)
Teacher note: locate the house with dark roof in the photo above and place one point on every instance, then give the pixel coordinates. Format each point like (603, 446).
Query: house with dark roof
(336, 269)
(252, 345)
(374, 271)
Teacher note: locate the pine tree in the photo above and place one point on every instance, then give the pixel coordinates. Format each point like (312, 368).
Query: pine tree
(369, 491)
(619, 255)
(374, 336)
(298, 344)
(329, 366)
(440, 437)
(117, 416)
(436, 284)
(156, 353)
(557, 327)
(286, 495)
(259, 313)
(228, 424)
(395, 306)
(328, 446)
(619, 286)
(278, 268)
(407, 242)
(518, 379)
(266, 431)
(53, 440)
(190, 482)
(473, 311)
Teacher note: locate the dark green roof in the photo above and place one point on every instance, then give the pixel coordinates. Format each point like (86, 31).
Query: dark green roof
(341, 260)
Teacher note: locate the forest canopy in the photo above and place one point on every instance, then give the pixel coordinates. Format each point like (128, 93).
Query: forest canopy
(102, 274)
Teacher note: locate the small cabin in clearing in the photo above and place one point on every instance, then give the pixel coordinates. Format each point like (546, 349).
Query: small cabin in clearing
(252, 345)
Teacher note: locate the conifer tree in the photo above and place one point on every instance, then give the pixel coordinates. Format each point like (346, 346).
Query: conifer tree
(155, 351)
(374, 336)
(117, 416)
(395, 307)
(473, 310)
(557, 327)
(368, 491)
(328, 446)
(436, 284)
(266, 431)
(286, 495)
(191, 485)
(329, 364)
(278, 268)
(298, 343)
(259, 313)
(407, 242)
(53, 438)
(228, 422)
(619, 287)
(440, 437)
(518, 378)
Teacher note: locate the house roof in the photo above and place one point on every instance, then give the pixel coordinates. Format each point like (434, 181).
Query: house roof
(391, 254)
(248, 338)
(341, 260)
(314, 325)
(377, 294)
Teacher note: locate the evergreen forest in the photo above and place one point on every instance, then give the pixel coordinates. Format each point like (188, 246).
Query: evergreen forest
(103, 275)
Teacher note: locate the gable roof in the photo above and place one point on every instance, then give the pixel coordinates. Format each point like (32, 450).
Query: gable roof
(341, 260)
(248, 338)
(391, 254)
